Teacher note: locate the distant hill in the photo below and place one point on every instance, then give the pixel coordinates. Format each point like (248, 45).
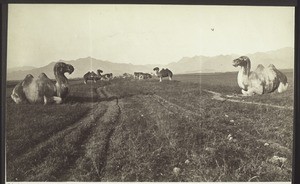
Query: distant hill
(82, 66)
(22, 68)
(282, 59)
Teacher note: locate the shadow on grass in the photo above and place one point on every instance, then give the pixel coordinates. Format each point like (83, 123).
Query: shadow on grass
(80, 99)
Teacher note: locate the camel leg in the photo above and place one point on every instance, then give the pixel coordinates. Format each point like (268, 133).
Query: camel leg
(55, 99)
(160, 79)
(259, 90)
(247, 93)
(45, 100)
(170, 78)
(282, 87)
(84, 82)
(244, 92)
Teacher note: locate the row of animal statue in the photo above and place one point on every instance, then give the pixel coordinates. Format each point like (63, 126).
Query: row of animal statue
(43, 90)
(136, 75)
(94, 77)
(160, 74)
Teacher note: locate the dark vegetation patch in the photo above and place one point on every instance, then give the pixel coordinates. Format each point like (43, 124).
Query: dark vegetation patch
(28, 125)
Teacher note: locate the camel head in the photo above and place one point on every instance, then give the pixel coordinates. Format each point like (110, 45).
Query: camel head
(242, 61)
(61, 68)
(156, 69)
(99, 71)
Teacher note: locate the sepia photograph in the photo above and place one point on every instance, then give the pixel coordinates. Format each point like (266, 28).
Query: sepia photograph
(149, 93)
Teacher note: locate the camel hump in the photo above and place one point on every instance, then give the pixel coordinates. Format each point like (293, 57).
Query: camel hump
(93, 74)
(281, 77)
(27, 80)
(87, 74)
(45, 85)
(43, 79)
(42, 76)
(277, 74)
(29, 76)
(259, 68)
(272, 66)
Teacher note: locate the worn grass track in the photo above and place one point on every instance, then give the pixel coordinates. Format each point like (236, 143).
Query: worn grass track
(140, 130)
(91, 166)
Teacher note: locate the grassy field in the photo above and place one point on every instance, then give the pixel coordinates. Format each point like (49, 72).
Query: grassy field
(143, 130)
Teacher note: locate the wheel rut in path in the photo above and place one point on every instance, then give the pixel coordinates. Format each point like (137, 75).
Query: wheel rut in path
(174, 107)
(47, 158)
(219, 96)
(91, 165)
(104, 94)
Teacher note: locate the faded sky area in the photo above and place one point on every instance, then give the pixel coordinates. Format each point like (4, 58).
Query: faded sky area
(142, 34)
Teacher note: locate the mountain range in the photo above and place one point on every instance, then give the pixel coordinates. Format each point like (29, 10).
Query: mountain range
(281, 58)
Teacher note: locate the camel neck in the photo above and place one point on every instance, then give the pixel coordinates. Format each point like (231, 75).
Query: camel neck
(245, 70)
(61, 78)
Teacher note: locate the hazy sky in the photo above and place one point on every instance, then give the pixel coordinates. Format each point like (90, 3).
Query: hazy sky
(142, 34)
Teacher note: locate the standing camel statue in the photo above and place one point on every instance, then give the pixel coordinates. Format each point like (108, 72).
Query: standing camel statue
(145, 76)
(163, 73)
(107, 76)
(92, 76)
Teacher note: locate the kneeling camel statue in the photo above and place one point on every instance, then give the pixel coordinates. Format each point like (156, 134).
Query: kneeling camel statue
(42, 89)
(260, 81)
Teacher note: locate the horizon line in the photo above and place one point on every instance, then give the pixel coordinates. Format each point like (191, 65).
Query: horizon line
(63, 60)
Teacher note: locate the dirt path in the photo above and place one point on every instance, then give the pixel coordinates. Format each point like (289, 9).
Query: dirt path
(91, 161)
(220, 97)
(48, 148)
(90, 165)
(104, 95)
